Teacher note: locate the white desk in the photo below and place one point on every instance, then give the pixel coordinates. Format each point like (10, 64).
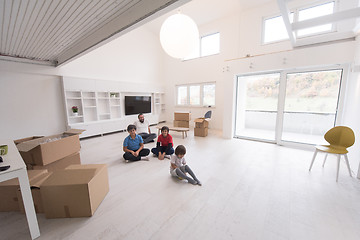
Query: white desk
(18, 170)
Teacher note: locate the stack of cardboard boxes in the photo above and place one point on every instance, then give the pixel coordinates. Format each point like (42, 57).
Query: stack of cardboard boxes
(182, 119)
(60, 185)
(50, 153)
(201, 127)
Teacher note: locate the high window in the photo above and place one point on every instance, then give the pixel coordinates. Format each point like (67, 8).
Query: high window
(274, 28)
(196, 94)
(209, 45)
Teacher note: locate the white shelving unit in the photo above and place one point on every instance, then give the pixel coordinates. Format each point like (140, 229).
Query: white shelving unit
(100, 105)
(74, 98)
(115, 110)
(90, 106)
(94, 108)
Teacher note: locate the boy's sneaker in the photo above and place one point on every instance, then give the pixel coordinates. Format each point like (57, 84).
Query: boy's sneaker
(154, 155)
(144, 158)
(126, 161)
(167, 156)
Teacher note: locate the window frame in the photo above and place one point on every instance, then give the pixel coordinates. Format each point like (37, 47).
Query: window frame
(296, 11)
(188, 94)
(200, 52)
(333, 25)
(263, 29)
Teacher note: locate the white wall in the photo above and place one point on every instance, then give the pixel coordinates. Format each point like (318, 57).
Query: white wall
(352, 110)
(135, 58)
(205, 69)
(31, 104)
(241, 36)
(31, 96)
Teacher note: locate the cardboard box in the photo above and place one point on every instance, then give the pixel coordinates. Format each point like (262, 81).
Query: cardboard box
(201, 132)
(184, 124)
(59, 164)
(45, 150)
(8, 191)
(35, 192)
(26, 139)
(201, 122)
(182, 116)
(76, 191)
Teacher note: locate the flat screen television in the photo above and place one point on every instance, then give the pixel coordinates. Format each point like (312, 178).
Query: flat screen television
(137, 104)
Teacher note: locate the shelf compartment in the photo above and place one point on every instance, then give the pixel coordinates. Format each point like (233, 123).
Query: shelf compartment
(114, 95)
(89, 102)
(90, 114)
(103, 95)
(115, 112)
(104, 117)
(74, 119)
(103, 106)
(88, 95)
(73, 94)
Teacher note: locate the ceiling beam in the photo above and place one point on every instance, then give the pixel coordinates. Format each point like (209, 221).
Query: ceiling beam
(138, 15)
(331, 18)
(284, 10)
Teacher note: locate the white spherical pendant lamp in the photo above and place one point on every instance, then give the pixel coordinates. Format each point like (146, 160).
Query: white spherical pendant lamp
(179, 36)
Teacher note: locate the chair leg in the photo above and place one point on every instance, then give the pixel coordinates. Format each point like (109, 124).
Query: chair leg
(325, 160)
(338, 167)
(313, 159)
(347, 163)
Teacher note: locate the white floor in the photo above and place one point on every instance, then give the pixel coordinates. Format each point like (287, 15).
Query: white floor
(251, 190)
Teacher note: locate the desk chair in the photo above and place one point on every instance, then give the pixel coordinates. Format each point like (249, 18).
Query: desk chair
(339, 138)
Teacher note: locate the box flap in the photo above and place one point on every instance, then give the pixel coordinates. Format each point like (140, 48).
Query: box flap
(69, 177)
(27, 146)
(17, 141)
(200, 120)
(36, 183)
(97, 167)
(75, 131)
(32, 174)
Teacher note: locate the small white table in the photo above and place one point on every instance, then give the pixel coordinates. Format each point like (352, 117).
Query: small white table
(18, 170)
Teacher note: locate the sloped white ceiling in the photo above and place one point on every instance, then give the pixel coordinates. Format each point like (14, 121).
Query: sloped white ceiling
(55, 31)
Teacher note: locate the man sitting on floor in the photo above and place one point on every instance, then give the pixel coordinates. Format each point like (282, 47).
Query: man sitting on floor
(143, 129)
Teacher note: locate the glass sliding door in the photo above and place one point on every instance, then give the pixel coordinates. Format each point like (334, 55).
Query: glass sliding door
(288, 107)
(311, 103)
(256, 106)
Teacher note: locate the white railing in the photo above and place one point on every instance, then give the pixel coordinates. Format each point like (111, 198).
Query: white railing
(295, 122)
